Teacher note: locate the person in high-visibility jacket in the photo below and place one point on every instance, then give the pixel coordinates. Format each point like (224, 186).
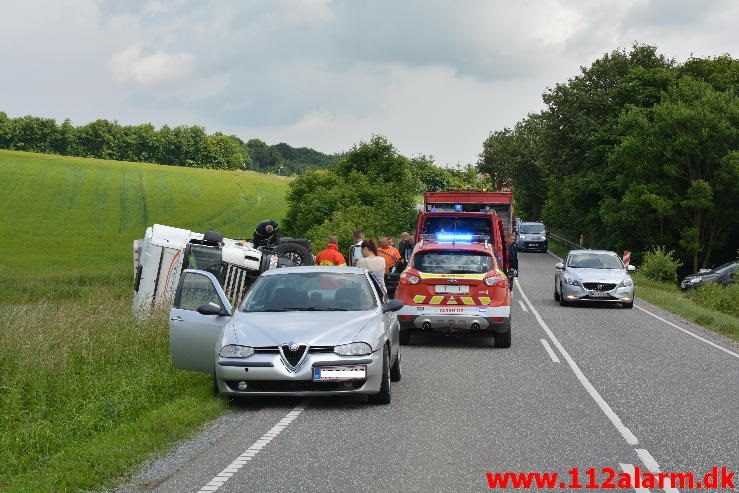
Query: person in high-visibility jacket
(389, 253)
(331, 254)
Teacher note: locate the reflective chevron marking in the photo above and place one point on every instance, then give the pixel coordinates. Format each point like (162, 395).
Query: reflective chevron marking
(451, 301)
(435, 300)
(467, 300)
(419, 299)
(484, 300)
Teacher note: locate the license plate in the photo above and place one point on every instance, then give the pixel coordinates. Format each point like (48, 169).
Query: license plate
(339, 373)
(600, 294)
(443, 288)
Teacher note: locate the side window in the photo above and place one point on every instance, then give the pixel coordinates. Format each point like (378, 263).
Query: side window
(196, 290)
(382, 294)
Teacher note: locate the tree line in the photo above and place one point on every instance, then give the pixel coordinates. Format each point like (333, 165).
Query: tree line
(635, 152)
(183, 145)
(371, 187)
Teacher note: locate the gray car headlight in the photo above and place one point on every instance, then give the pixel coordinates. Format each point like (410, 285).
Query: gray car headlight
(542, 237)
(570, 281)
(234, 351)
(695, 280)
(626, 283)
(353, 349)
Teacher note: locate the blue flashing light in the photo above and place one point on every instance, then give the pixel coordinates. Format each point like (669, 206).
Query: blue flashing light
(453, 236)
(457, 207)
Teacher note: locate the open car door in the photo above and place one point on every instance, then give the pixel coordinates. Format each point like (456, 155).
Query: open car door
(193, 334)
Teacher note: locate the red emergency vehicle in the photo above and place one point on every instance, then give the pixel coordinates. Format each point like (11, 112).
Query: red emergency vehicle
(456, 281)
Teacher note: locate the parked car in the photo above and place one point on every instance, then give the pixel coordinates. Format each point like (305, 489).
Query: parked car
(723, 274)
(299, 331)
(593, 275)
(532, 236)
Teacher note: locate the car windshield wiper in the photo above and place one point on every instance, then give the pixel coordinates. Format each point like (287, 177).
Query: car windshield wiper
(312, 309)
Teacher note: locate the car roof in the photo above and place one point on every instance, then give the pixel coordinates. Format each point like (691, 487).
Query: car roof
(532, 222)
(470, 247)
(314, 268)
(599, 252)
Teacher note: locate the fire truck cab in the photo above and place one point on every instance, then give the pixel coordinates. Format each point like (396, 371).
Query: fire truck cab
(456, 281)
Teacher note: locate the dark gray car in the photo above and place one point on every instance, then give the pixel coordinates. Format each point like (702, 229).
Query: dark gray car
(723, 274)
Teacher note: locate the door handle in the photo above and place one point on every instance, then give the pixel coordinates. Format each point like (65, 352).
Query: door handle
(176, 319)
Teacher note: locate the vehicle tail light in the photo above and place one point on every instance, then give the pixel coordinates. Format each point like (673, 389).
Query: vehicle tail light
(406, 278)
(404, 317)
(498, 320)
(494, 280)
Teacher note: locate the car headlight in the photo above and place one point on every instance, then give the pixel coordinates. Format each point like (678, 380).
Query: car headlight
(494, 280)
(694, 280)
(235, 351)
(570, 281)
(353, 349)
(626, 283)
(543, 237)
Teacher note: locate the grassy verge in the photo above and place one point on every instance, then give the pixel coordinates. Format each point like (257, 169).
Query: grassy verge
(670, 298)
(87, 392)
(557, 249)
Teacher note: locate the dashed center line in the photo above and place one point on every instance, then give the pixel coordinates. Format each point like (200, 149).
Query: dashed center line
(652, 465)
(222, 477)
(523, 307)
(629, 469)
(549, 349)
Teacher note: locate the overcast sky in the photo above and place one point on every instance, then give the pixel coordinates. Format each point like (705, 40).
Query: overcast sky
(435, 77)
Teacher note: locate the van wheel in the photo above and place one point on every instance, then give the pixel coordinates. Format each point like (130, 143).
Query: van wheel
(298, 254)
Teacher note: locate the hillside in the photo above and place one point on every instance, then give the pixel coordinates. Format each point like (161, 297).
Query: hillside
(61, 215)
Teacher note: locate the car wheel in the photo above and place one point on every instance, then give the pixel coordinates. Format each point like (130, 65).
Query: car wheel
(216, 391)
(628, 305)
(383, 396)
(395, 369)
(556, 294)
(562, 301)
(405, 337)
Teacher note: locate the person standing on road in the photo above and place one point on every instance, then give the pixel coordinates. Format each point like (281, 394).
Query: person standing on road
(512, 258)
(388, 252)
(331, 254)
(371, 261)
(357, 246)
(406, 245)
(266, 234)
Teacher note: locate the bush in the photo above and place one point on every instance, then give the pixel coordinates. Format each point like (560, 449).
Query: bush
(717, 297)
(660, 265)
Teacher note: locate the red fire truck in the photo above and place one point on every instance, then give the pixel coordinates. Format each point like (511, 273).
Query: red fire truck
(457, 280)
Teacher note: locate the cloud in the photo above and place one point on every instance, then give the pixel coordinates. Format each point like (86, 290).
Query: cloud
(435, 76)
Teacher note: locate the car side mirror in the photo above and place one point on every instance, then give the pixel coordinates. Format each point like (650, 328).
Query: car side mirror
(631, 268)
(559, 266)
(512, 272)
(392, 306)
(211, 309)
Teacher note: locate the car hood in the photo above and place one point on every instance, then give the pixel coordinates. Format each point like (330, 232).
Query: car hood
(702, 277)
(259, 329)
(598, 275)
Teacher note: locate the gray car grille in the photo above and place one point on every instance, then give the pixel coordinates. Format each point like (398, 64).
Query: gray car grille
(598, 286)
(293, 356)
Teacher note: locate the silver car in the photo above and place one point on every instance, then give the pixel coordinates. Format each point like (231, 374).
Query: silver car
(299, 331)
(593, 275)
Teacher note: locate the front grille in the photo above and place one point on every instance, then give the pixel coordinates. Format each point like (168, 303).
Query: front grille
(598, 286)
(294, 386)
(276, 349)
(293, 356)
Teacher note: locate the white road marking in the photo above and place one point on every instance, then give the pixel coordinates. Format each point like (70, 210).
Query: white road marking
(549, 350)
(523, 307)
(653, 467)
(612, 416)
(252, 451)
(555, 256)
(688, 332)
(629, 469)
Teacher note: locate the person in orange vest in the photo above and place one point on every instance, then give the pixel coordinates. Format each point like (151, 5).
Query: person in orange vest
(331, 254)
(389, 253)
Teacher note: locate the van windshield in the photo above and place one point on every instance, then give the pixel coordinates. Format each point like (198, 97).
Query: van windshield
(532, 229)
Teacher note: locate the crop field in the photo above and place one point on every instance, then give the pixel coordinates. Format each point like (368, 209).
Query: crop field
(67, 215)
(86, 391)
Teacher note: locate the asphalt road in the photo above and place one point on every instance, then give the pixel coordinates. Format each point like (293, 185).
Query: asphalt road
(619, 389)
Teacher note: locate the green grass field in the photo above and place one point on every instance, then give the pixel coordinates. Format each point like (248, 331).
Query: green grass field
(86, 391)
(67, 215)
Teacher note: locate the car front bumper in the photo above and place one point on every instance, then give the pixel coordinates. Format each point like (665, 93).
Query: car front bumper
(267, 374)
(539, 245)
(463, 320)
(578, 293)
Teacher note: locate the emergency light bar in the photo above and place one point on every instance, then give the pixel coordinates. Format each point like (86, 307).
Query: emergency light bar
(443, 237)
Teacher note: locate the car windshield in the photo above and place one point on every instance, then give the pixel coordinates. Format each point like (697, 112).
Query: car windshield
(594, 261)
(532, 229)
(452, 262)
(459, 225)
(310, 291)
(724, 268)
